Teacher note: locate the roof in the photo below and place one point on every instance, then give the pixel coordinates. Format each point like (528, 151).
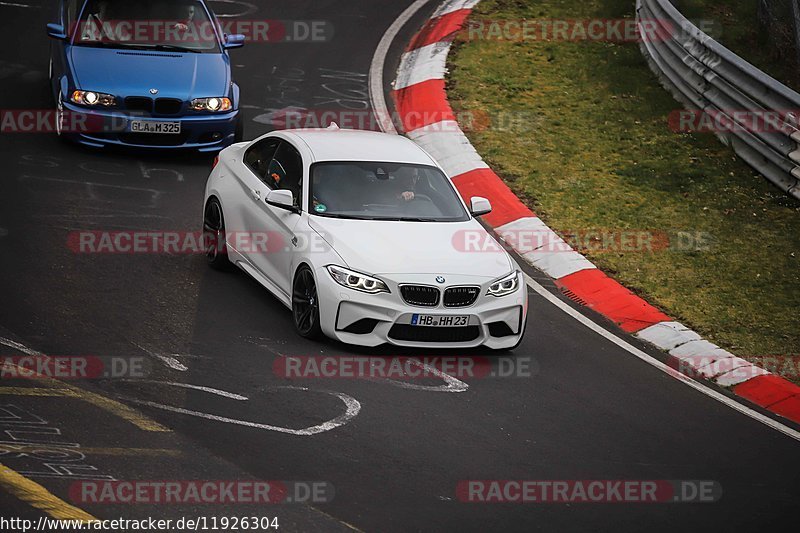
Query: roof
(360, 145)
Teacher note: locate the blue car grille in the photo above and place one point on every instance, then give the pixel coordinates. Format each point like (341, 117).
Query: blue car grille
(139, 103)
(161, 106)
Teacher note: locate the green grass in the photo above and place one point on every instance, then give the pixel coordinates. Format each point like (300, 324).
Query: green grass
(596, 152)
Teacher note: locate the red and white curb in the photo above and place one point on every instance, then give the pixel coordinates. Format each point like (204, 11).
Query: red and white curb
(427, 118)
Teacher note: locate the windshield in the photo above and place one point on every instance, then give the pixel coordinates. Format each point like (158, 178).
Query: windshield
(384, 191)
(172, 25)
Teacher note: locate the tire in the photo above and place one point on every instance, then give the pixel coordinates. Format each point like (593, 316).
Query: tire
(214, 236)
(305, 304)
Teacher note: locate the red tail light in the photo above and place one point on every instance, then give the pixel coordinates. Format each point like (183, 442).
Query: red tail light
(216, 160)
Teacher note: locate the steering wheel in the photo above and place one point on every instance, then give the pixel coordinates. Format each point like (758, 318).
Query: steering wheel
(423, 197)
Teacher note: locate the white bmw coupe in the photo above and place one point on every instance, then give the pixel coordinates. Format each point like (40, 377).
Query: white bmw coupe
(357, 233)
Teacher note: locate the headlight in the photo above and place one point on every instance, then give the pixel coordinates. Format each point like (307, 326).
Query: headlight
(356, 281)
(93, 98)
(214, 104)
(505, 285)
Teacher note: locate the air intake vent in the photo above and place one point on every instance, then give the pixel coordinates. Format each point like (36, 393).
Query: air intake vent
(139, 103)
(168, 106)
(420, 295)
(406, 332)
(460, 296)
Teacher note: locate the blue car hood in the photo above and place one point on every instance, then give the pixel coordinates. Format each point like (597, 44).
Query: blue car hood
(135, 72)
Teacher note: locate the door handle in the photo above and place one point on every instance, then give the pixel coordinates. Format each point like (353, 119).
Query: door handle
(256, 194)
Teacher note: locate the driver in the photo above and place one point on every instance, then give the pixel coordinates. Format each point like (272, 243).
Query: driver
(188, 18)
(406, 180)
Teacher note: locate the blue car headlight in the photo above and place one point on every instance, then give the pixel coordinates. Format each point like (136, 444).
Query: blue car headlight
(356, 280)
(93, 98)
(213, 104)
(505, 285)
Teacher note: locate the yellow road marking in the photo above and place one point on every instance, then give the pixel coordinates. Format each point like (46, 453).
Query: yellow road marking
(34, 391)
(38, 448)
(131, 451)
(112, 406)
(59, 388)
(39, 497)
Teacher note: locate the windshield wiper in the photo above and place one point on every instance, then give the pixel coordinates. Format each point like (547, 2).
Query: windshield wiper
(335, 215)
(408, 219)
(174, 48)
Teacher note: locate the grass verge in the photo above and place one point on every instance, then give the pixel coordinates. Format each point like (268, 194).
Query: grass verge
(595, 152)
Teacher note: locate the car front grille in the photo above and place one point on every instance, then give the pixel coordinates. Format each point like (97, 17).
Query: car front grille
(407, 332)
(420, 295)
(139, 103)
(168, 106)
(460, 296)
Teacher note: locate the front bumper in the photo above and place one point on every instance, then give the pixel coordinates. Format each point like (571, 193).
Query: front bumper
(497, 323)
(204, 133)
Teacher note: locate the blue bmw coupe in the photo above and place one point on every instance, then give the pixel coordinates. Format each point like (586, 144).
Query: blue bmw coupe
(147, 73)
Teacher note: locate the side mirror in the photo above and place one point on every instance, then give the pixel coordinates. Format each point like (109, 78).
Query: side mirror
(235, 40)
(282, 199)
(56, 31)
(479, 206)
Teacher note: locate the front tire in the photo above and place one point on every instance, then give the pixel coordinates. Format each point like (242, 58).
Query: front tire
(305, 304)
(214, 236)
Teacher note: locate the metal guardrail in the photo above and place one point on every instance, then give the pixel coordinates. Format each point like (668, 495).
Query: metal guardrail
(704, 75)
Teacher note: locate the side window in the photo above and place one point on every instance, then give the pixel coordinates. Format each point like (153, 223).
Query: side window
(258, 158)
(286, 171)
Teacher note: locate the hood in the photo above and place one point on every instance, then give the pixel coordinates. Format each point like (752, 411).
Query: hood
(376, 247)
(134, 72)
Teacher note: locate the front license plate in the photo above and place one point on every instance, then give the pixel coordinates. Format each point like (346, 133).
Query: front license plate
(440, 321)
(149, 126)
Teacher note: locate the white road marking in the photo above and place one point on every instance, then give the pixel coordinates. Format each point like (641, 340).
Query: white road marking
(169, 360)
(17, 346)
(733, 404)
(352, 408)
(451, 384)
(12, 4)
(218, 392)
(376, 85)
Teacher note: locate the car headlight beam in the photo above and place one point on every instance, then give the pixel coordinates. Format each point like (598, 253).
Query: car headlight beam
(356, 280)
(93, 98)
(213, 104)
(505, 285)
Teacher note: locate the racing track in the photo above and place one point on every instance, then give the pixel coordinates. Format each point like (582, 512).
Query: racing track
(591, 410)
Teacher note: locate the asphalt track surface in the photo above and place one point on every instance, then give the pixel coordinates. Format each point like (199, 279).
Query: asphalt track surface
(589, 411)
